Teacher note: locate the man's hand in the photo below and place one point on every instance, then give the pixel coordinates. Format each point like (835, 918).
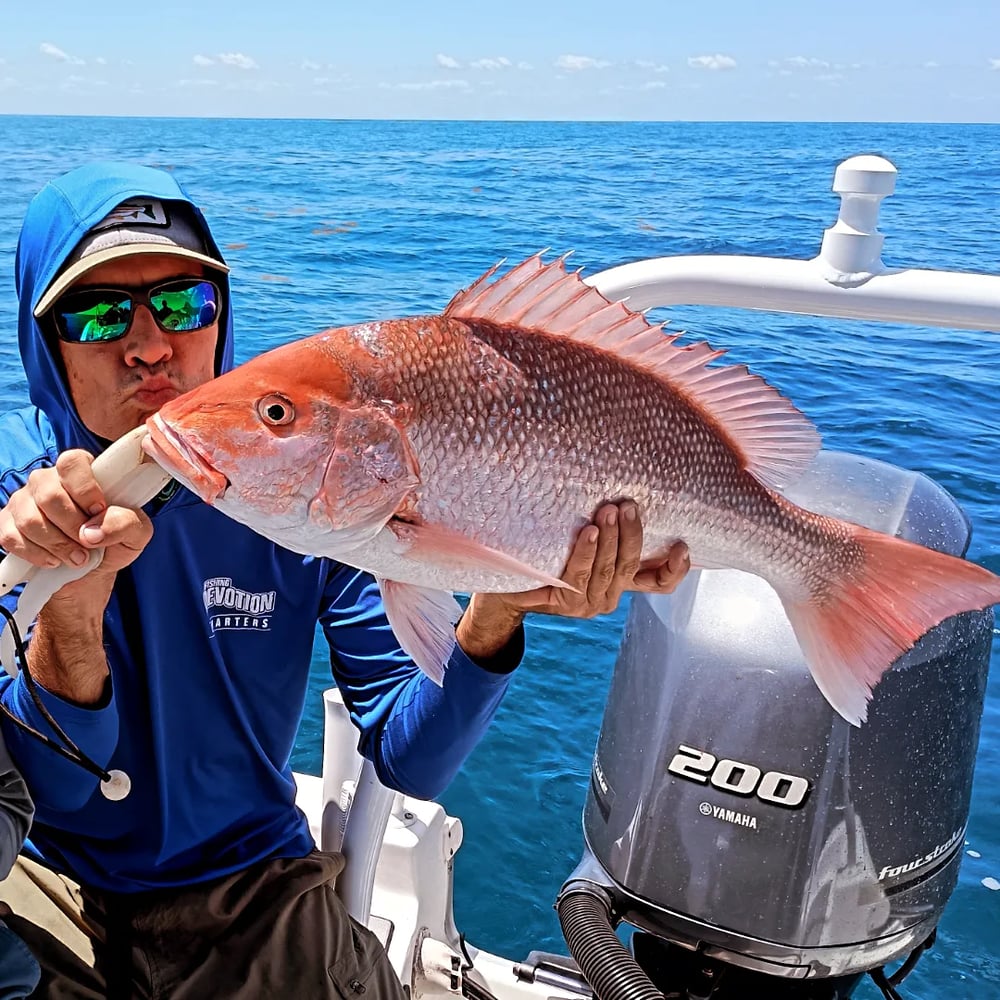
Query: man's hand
(604, 563)
(61, 514)
(58, 518)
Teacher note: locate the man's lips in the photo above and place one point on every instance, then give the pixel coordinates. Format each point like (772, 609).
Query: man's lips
(156, 390)
(180, 459)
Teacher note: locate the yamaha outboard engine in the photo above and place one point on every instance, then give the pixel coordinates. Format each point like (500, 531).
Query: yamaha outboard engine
(754, 838)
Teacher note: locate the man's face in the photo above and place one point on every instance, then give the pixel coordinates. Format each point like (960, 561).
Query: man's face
(116, 386)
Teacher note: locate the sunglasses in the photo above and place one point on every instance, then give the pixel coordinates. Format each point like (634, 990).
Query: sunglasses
(102, 315)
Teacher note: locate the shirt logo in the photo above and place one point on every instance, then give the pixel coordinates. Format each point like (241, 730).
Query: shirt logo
(232, 609)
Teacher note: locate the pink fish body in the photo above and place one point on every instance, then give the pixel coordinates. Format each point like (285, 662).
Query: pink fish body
(462, 452)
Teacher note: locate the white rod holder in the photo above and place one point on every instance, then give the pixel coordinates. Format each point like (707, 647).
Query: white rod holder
(847, 279)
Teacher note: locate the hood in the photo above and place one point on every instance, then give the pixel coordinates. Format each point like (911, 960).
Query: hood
(56, 220)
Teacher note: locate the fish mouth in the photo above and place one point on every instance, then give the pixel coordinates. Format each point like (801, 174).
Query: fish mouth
(183, 461)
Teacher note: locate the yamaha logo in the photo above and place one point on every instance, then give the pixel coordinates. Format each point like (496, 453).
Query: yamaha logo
(729, 815)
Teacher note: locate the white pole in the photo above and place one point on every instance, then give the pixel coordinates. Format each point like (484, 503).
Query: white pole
(366, 823)
(847, 278)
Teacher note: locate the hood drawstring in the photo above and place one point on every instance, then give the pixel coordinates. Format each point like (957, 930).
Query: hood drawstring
(115, 785)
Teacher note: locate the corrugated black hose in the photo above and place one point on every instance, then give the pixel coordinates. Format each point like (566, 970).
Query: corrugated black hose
(613, 974)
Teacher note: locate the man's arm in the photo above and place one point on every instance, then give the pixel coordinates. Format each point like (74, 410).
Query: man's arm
(56, 518)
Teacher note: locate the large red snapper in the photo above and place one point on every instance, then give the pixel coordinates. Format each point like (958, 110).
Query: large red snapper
(464, 451)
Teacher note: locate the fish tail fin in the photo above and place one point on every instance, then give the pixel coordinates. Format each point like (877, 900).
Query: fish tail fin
(860, 625)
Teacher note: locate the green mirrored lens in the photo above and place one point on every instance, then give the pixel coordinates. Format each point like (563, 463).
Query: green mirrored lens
(94, 317)
(182, 307)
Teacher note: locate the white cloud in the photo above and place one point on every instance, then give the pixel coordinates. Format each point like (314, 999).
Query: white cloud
(337, 79)
(54, 52)
(801, 62)
(501, 62)
(429, 85)
(995, 64)
(930, 64)
(7, 83)
(255, 85)
(237, 59)
(447, 62)
(310, 67)
(718, 61)
(74, 82)
(630, 88)
(576, 63)
(655, 67)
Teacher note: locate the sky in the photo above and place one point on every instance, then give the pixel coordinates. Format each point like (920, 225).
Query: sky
(793, 60)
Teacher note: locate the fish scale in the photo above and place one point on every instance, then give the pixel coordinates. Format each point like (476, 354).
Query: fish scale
(514, 447)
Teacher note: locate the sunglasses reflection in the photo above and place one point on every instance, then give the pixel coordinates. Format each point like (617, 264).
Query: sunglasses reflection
(100, 315)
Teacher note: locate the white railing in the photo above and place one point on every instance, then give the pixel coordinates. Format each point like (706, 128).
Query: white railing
(847, 279)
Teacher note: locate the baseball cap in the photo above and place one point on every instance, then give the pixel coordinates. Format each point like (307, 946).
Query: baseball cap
(138, 225)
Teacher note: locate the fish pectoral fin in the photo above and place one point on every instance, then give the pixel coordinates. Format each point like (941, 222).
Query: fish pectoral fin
(701, 562)
(423, 620)
(451, 550)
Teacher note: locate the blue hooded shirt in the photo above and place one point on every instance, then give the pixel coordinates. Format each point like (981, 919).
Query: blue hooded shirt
(209, 637)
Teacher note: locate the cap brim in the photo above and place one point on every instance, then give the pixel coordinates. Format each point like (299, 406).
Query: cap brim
(75, 271)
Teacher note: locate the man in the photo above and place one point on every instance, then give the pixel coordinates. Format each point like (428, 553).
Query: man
(203, 881)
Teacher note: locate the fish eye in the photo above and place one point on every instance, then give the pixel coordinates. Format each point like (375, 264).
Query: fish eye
(275, 410)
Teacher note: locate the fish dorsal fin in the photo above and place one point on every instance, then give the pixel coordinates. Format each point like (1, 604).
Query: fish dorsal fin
(774, 440)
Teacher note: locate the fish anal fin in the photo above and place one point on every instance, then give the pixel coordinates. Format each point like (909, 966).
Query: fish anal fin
(451, 550)
(423, 621)
(774, 441)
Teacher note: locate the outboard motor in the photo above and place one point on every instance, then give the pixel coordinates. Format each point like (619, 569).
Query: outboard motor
(759, 844)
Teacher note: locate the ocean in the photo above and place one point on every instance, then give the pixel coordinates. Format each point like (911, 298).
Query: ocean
(332, 222)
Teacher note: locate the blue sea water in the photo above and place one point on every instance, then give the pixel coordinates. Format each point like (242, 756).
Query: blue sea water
(328, 223)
